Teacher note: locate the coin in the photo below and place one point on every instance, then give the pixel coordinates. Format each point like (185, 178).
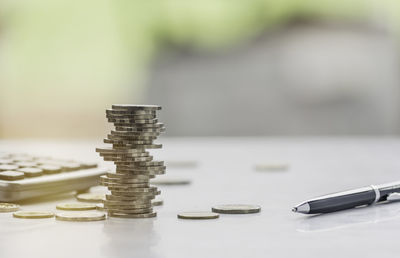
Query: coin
(76, 206)
(131, 138)
(132, 216)
(132, 121)
(157, 202)
(11, 175)
(90, 197)
(131, 116)
(135, 107)
(106, 179)
(31, 172)
(171, 181)
(123, 186)
(131, 142)
(128, 159)
(139, 130)
(33, 214)
(129, 211)
(130, 112)
(100, 207)
(144, 203)
(80, 216)
(136, 198)
(135, 134)
(151, 189)
(8, 207)
(135, 194)
(236, 208)
(198, 215)
(125, 176)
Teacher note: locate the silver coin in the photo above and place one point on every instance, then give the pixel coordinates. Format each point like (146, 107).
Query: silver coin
(131, 116)
(150, 189)
(236, 208)
(130, 138)
(142, 172)
(125, 176)
(135, 194)
(80, 216)
(123, 186)
(146, 146)
(125, 155)
(111, 197)
(139, 130)
(132, 216)
(140, 126)
(113, 158)
(134, 134)
(171, 181)
(198, 215)
(106, 179)
(112, 150)
(141, 168)
(135, 107)
(129, 211)
(144, 203)
(130, 112)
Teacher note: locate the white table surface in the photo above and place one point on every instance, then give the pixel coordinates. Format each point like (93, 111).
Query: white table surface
(225, 175)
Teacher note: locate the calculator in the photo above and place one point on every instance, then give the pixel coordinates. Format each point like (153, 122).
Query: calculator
(24, 176)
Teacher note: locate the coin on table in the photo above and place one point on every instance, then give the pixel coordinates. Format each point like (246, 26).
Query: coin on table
(157, 202)
(33, 214)
(76, 206)
(80, 216)
(171, 181)
(236, 208)
(198, 215)
(90, 197)
(8, 207)
(132, 216)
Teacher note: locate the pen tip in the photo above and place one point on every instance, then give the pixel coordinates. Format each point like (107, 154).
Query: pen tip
(294, 209)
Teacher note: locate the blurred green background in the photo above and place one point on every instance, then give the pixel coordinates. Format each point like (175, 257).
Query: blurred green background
(62, 62)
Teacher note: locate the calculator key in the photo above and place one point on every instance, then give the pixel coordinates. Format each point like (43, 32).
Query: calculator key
(11, 175)
(6, 161)
(22, 158)
(8, 167)
(26, 164)
(70, 166)
(86, 165)
(31, 172)
(50, 169)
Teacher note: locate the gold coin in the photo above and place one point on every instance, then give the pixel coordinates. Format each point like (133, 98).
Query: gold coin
(90, 197)
(80, 216)
(198, 215)
(236, 208)
(132, 216)
(100, 207)
(76, 206)
(8, 207)
(33, 214)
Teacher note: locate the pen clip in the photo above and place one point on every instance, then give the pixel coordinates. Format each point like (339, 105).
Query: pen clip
(393, 197)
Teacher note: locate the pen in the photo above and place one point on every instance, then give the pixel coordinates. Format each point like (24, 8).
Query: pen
(350, 199)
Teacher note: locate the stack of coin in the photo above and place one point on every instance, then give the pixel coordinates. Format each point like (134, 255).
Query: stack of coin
(136, 127)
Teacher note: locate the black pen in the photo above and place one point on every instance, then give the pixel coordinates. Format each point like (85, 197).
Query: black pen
(350, 199)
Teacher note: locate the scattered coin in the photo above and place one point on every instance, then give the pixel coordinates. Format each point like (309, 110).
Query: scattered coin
(76, 206)
(8, 207)
(236, 209)
(80, 216)
(90, 197)
(33, 214)
(198, 215)
(271, 167)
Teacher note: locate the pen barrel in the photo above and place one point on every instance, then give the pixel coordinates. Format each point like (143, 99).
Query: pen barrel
(342, 201)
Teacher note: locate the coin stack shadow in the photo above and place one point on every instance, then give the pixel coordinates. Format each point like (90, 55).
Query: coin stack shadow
(136, 127)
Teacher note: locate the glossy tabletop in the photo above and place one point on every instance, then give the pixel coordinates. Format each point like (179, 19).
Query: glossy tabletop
(225, 174)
